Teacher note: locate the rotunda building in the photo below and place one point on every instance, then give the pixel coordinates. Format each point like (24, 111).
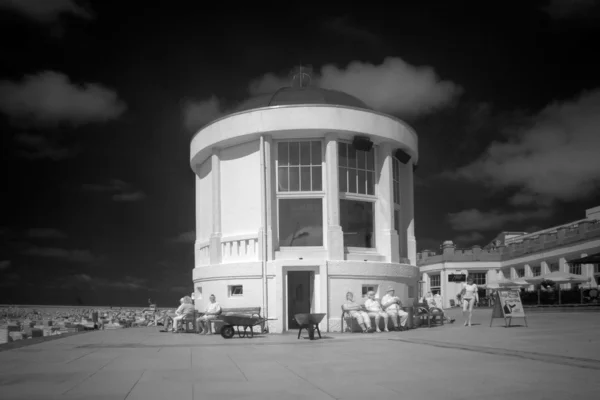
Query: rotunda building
(301, 196)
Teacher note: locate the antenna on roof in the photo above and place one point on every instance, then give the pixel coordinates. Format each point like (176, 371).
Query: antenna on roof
(301, 76)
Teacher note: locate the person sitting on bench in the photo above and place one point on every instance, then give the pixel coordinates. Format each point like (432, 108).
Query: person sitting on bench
(374, 310)
(393, 308)
(185, 310)
(357, 312)
(213, 310)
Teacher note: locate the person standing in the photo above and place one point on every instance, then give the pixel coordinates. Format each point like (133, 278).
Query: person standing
(469, 297)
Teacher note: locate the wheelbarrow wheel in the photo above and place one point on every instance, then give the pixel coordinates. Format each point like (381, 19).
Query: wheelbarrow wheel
(227, 331)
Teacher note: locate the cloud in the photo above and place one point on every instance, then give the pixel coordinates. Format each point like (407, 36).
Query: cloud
(476, 220)
(130, 196)
(46, 233)
(566, 9)
(345, 27)
(121, 191)
(185, 237)
(198, 113)
(5, 264)
(46, 11)
(95, 283)
(10, 280)
(50, 98)
(468, 238)
(553, 157)
(393, 87)
(37, 147)
(77, 256)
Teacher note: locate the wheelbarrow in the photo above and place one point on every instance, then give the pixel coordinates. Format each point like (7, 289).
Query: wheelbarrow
(310, 322)
(239, 321)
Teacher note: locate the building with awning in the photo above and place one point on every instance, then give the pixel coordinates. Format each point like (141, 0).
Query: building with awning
(571, 248)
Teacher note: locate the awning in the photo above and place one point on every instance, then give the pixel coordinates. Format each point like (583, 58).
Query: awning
(593, 259)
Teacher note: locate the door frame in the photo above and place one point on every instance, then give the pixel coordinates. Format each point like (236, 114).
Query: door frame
(315, 287)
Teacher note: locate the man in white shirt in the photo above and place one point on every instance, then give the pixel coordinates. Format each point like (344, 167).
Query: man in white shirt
(374, 310)
(393, 307)
(213, 310)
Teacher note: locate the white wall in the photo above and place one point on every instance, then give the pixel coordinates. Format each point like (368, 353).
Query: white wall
(240, 189)
(204, 202)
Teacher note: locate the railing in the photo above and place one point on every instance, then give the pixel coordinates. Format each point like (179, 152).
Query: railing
(239, 248)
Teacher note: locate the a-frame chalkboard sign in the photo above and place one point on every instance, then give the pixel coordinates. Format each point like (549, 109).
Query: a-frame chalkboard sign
(508, 305)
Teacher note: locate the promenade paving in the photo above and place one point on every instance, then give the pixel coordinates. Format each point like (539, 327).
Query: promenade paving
(556, 356)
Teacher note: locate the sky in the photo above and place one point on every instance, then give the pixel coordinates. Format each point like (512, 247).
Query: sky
(99, 101)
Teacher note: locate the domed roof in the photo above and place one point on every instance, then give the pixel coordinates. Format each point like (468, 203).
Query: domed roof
(301, 95)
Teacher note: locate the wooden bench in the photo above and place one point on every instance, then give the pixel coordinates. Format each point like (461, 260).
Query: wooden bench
(344, 312)
(250, 311)
(430, 314)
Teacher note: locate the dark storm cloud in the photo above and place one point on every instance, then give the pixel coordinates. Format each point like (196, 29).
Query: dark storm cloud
(98, 283)
(36, 146)
(185, 237)
(121, 191)
(569, 9)
(477, 220)
(5, 264)
(50, 98)
(46, 233)
(346, 28)
(554, 157)
(47, 11)
(77, 256)
(468, 239)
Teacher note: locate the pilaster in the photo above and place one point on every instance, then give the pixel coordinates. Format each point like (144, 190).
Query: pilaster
(387, 237)
(335, 236)
(215, 237)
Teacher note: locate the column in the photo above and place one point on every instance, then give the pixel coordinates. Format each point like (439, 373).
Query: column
(266, 199)
(335, 236)
(563, 267)
(545, 268)
(529, 274)
(407, 210)
(387, 237)
(513, 273)
(215, 237)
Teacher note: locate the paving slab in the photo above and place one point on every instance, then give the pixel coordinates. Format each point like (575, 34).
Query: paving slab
(451, 362)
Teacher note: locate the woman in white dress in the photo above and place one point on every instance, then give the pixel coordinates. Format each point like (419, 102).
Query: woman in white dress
(469, 297)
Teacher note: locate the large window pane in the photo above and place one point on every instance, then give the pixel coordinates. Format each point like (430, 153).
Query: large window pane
(343, 156)
(305, 179)
(282, 175)
(316, 153)
(294, 153)
(356, 218)
(370, 161)
(301, 222)
(294, 179)
(317, 179)
(370, 182)
(362, 181)
(343, 180)
(282, 153)
(361, 159)
(352, 180)
(351, 157)
(304, 153)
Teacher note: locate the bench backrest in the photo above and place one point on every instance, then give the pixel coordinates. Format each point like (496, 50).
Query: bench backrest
(241, 310)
